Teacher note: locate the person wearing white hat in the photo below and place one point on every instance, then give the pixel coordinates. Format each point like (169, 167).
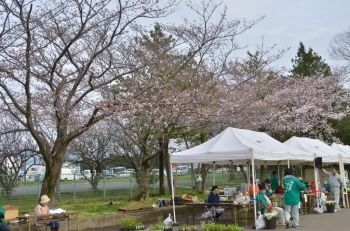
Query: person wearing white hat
(43, 208)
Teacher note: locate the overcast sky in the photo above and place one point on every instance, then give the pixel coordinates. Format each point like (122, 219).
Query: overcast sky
(313, 22)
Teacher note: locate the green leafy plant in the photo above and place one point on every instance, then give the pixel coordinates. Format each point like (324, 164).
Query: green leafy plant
(221, 227)
(130, 223)
(159, 225)
(269, 216)
(331, 202)
(186, 227)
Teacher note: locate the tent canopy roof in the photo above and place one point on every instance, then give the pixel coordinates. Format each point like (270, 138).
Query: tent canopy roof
(238, 146)
(317, 147)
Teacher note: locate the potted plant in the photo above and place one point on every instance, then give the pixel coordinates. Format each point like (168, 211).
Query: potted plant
(130, 223)
(160, 226)
(221, 227)
(186, 227)
(330, 205)
(270, 220)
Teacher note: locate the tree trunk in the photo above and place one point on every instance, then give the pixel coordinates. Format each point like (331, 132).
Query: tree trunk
(262, 171)
(144, 181)
(161, 169)
(244, 173)
(205, 168)
(52, 172)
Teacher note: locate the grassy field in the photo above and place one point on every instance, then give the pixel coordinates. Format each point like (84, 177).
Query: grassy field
(95, 202)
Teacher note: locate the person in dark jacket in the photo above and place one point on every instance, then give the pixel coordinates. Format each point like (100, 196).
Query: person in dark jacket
(214, 199)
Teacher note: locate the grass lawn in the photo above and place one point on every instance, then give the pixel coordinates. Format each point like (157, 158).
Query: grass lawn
(94, 203)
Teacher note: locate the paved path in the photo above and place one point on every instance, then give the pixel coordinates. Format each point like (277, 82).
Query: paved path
(339, 221)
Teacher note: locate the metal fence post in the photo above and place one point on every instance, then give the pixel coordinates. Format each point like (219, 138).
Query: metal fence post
(154, 183)
(39, 179)
(74, 196)
(130, 186)
(104, 185)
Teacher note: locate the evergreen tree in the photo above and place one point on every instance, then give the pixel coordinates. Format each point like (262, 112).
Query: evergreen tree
(309, 63)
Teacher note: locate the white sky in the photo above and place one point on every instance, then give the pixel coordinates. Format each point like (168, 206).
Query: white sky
(313, 22)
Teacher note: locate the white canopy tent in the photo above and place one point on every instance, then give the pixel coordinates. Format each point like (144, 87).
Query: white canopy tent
(344, 149)
(240, 146)
(320, 149)
(317, 147)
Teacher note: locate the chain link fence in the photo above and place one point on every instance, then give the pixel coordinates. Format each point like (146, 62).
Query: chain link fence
(76, 188)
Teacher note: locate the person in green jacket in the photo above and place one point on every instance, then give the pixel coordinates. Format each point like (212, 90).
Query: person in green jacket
(269, 191)
(292, 187)
(3, 224)
(264, 202)
(274, 181)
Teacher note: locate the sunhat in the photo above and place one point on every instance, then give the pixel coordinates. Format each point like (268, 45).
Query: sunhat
(44, 199)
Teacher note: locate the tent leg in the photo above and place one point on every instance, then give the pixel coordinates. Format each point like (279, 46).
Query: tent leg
(278, 172)
(254, 196)
(214, 173)
(248, 175)
(172, 192)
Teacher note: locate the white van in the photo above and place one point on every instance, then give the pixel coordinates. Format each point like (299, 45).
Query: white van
(67, 174)
(180, 170)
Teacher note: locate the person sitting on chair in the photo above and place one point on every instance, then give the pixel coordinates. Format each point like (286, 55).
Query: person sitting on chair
(264, 202)
(214, 199)
(3, 225)
(43, 208)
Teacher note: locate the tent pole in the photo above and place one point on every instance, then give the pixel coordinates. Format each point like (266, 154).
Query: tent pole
(316, 183)
(214, 173)
(288, 164)
(248, 173)
(172, 192)
(278, 172)
(254, 196)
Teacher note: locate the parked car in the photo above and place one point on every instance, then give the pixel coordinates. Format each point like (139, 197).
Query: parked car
(180, 170)
(109, 176)
(123, 174)
(220, 170)
(39, 178)
(130, 170)
(156, 172)
(199, 171)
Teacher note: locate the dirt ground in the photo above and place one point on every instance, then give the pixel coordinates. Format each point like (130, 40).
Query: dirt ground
(309, 222)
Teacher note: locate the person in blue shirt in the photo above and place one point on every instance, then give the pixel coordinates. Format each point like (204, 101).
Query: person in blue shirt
(214, 200)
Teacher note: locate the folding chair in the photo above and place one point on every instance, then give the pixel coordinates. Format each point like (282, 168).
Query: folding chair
(40, 228)
(207, 210)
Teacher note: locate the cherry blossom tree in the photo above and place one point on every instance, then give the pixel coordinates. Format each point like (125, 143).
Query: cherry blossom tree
(94, 149)
(304, 107)
(58, 60)
(16, 149)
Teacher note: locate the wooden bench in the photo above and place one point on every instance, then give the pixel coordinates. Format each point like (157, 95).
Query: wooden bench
(67, 216)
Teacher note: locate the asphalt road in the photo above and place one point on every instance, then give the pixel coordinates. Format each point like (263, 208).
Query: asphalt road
(81, 187)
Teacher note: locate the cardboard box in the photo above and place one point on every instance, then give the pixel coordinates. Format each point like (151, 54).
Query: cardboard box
(188, 198)
(11, 212)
